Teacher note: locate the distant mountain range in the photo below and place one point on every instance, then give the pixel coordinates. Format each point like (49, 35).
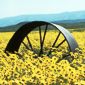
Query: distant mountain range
(67, 17)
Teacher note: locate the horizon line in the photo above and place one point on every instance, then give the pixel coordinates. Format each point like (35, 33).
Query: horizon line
(41, 14)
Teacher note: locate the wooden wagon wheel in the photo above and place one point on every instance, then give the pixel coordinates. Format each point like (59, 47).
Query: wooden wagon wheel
(25, 30)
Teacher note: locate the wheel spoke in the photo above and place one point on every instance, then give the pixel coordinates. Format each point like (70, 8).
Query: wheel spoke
(61, 43)
(42, 40)
(29, 42)
(54, 43)
(56, 39)
(41, 46)
(25, 45)
(40, 35)
(45, 34)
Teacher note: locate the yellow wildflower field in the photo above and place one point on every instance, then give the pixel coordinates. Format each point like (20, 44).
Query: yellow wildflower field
(27, 70)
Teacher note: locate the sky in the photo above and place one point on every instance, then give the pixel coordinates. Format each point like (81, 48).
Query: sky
(10, 8)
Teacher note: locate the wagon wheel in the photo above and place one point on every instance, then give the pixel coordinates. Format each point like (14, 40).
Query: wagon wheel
(24, 33)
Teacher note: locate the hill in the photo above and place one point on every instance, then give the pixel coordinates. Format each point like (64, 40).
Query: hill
(67, 25)
(70, 17)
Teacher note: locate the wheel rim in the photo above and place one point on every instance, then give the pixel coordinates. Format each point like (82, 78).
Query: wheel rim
(14, 45)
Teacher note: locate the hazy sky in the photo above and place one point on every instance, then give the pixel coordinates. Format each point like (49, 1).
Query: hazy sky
(20, 7)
